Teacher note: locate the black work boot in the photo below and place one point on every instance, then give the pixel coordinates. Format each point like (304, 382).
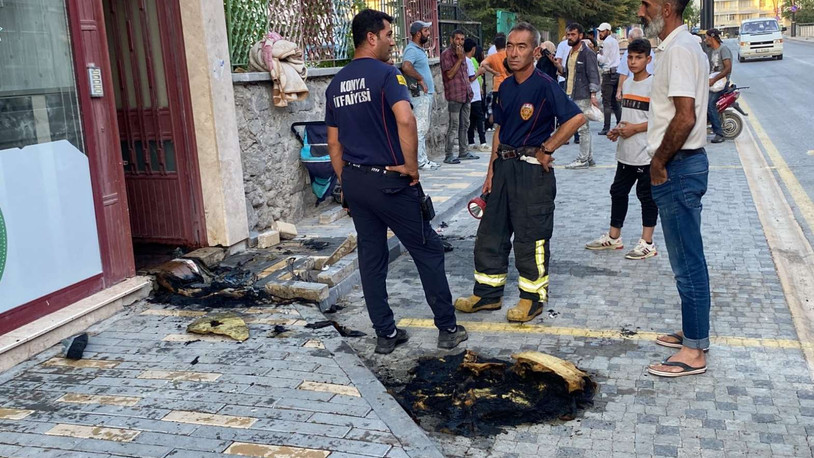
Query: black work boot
(386, 345)
(448, 340)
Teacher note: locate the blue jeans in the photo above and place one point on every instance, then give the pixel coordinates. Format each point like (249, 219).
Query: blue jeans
(713, 115)
(679, 202)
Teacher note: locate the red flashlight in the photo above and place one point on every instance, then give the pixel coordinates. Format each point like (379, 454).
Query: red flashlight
(477, 206)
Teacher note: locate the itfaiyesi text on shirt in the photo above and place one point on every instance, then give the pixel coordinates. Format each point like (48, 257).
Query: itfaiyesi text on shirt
(352, 91)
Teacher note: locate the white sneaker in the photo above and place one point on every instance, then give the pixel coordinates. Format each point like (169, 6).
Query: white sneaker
(643, 250)
(471, 146)
(577, 164)
(605, 242)
(485, 147)
(430, 165)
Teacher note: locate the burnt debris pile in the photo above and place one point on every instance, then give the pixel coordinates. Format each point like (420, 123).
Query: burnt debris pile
(469, 395)
(185, 282)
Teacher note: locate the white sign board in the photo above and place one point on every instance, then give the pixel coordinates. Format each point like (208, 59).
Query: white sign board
(49, 222)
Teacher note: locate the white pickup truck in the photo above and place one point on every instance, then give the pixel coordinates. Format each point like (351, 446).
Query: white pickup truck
(759, 39)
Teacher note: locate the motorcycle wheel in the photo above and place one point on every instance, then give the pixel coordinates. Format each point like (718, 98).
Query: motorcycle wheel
(731, 124)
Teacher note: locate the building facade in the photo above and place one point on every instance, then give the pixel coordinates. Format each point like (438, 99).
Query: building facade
(730, 13)
(117, 134)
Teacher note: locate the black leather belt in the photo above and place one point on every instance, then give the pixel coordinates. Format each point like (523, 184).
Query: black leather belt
(377, 169)
(508, 152)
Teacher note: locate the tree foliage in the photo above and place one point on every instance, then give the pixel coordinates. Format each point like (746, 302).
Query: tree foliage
(543, 13)
(692, 14)
(805, 11)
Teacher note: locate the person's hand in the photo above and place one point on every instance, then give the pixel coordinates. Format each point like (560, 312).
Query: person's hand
(613, 134)
(625, 129)
(423, 86)
(544, 159)
(402, 169)
(658, 173)
(711, 82)
(594, 101)
(619, 95)
(459, 51)
(487, 184)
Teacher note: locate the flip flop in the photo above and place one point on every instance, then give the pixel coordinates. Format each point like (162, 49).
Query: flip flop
(678, 344)
(687, 370)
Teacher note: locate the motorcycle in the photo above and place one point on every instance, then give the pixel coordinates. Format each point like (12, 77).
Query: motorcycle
(731, 122)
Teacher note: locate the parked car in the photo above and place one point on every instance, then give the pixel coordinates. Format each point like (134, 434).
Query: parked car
(760, 38)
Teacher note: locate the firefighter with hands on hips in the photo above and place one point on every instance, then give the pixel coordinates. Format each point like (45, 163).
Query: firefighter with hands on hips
(373, 143)
(520, 182)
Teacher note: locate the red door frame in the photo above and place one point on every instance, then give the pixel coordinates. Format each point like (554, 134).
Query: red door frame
(101, 134)
(167, 206)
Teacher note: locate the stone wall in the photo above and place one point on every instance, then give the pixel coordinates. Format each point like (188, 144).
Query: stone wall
(275, 182)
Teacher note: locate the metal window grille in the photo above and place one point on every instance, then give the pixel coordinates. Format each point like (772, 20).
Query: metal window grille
(322, 28)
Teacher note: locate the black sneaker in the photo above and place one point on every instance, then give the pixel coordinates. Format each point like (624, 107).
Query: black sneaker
(448, 340)
(603, 132)
(718, 139)
(386, 345)
(451, 160)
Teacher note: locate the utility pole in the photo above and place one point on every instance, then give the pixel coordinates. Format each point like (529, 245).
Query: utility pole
(707, 14)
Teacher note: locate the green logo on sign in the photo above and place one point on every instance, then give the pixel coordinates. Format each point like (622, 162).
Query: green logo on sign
(3, 244)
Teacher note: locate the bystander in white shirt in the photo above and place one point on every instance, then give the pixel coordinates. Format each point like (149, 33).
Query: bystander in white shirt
(682, 70)
(562, 53)
(608, 58)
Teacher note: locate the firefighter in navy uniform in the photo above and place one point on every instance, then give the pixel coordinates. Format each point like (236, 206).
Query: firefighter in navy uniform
(373, 141)
(520, 182)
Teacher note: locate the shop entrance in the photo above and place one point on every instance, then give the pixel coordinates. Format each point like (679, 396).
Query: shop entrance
(151, 86)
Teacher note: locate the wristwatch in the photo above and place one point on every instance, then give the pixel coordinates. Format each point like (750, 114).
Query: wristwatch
(544, 150)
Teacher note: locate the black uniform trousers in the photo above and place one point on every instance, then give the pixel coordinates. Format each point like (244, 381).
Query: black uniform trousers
(378, 201)
(521, 203)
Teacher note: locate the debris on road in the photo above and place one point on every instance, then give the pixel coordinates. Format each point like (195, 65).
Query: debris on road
(227, 324)
(625, 332)
(279, 331)
(74, 347)
(343, 331)
(469, 395)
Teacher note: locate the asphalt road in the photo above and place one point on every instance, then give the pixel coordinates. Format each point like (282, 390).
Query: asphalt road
(781, 97)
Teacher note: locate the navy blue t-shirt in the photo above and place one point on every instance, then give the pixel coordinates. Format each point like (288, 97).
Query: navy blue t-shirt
(358, 102)
(526, 112)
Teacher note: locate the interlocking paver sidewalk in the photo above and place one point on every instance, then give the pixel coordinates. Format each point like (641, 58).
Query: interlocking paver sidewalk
(757, 397)
(147, 388)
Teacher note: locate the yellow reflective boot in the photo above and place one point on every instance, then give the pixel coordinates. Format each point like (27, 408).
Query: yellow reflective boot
(525, 310)
(473, 304)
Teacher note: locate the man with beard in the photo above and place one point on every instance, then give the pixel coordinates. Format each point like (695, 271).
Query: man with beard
(416, 67)
(372, 142)
(581, 84)
(679, 170)
(520, 183)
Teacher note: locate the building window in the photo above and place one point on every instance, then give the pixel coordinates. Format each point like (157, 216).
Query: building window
(38, 100)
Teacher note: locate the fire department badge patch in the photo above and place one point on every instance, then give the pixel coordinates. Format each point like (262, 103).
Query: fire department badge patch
(526, 111)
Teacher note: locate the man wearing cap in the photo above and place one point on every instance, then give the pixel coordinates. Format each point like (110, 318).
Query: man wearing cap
(608, 60)
(720, 61)
(416, 67)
